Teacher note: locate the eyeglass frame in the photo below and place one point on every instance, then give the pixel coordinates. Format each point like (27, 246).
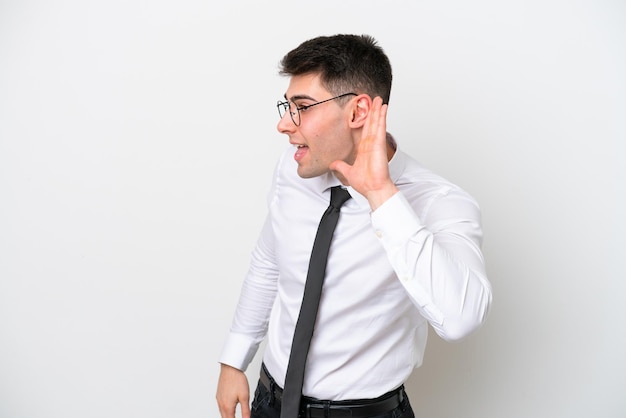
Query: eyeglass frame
(287, 107)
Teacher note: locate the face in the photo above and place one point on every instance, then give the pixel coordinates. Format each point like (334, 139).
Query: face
(324, 134)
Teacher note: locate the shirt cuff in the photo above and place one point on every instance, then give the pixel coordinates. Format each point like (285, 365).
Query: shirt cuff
(238, 351)
(395, 220)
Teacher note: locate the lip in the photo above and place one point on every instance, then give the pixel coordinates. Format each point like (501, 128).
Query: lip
(301, 152)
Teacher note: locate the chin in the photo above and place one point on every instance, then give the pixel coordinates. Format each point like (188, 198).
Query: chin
(309, 174)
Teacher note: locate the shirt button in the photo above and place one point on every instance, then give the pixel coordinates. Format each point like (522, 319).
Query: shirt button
(379, 233)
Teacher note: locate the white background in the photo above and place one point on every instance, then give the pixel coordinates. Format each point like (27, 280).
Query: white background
(137, 140)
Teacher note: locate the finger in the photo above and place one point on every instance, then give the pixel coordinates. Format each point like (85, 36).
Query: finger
(227, 406)
(245, 410)
(375, 125)
(381, 133)
(373, 119)
(227, 411)
(244, 401)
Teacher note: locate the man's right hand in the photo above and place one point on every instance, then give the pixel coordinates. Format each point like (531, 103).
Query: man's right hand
(233, 389)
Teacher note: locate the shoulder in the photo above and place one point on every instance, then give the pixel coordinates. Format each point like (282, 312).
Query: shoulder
(425, 189)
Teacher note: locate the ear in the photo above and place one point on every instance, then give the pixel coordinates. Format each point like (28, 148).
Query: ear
(360, 110)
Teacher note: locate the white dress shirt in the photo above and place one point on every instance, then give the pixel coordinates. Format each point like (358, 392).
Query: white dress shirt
(415, 260)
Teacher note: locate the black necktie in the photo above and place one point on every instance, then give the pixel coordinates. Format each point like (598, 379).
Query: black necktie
(310, 301)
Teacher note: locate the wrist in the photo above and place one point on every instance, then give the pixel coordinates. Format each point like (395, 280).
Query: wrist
(377, 197)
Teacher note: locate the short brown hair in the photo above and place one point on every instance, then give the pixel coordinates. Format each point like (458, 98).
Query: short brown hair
(345, 63)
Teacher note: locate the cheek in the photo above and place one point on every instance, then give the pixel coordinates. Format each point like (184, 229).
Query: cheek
(328, 140)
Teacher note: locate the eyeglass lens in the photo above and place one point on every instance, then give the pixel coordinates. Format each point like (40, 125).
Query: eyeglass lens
(293, 110)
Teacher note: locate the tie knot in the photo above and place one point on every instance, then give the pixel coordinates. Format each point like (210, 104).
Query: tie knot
(338, 196)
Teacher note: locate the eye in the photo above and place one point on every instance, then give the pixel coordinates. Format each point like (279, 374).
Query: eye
(303, 108)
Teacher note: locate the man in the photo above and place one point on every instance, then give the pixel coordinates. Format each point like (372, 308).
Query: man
(405, 252)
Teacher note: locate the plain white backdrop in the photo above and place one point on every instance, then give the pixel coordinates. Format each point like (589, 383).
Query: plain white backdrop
(137, 140)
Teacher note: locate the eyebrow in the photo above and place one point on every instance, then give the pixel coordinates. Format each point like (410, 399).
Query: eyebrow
(299, 97)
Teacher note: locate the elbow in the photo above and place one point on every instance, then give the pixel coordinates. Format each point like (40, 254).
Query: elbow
(456, 331)
(458, 327)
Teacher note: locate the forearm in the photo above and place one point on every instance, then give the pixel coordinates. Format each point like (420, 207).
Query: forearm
(440, 265)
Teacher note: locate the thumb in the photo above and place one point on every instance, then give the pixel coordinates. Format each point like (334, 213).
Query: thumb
(245, 410)
(340, 167)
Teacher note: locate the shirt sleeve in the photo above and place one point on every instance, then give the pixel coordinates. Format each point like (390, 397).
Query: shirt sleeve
(438, 260)
(256, 299)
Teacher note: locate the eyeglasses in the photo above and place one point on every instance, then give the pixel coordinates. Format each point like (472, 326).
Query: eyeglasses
(294, 110)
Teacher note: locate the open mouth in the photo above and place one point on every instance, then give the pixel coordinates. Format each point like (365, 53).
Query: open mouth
(301, 151)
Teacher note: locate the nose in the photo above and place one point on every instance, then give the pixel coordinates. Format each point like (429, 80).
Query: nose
(285, 124)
